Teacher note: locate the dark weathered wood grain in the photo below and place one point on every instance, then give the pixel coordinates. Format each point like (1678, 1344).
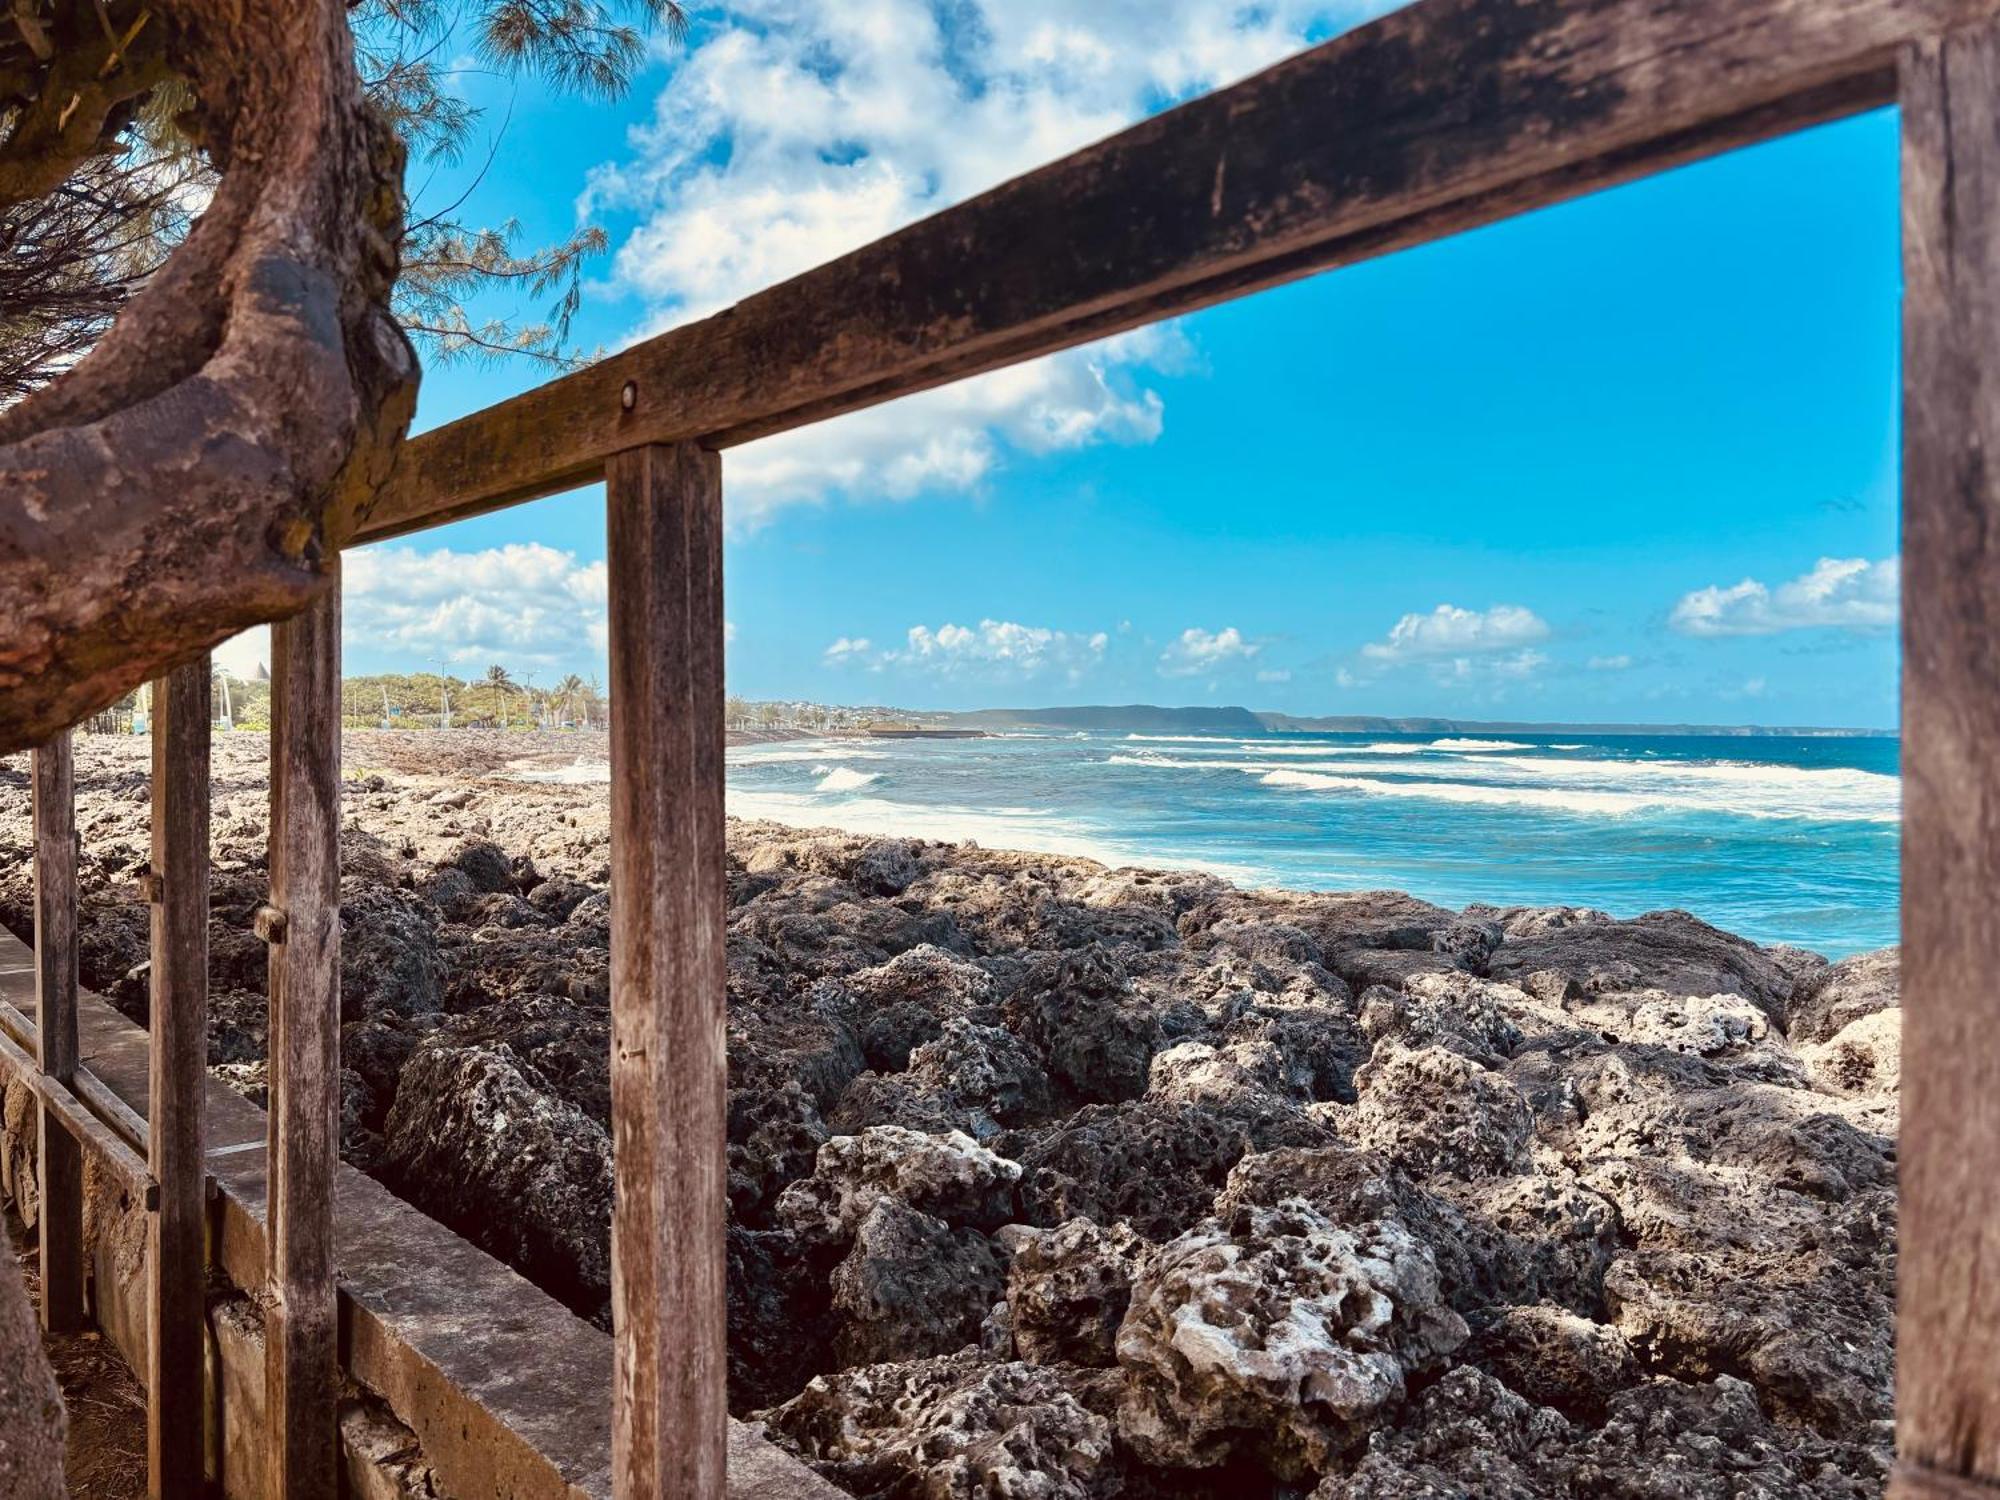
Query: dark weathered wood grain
(1948, 1275)
(60, 1222)
(668, 1076)
(1431, 120)
(301, 1325)
(176, 1247)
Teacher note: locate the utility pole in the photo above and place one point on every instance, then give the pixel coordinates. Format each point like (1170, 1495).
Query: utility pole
(444, 694)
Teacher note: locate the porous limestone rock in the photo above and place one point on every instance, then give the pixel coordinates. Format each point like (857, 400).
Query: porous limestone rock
(1067, 1290)
(911, 1286)
(1842, 994)
(1438, 1111)
(961, 1427)
(478, 1143)
(1154, 1164)
(1281, 1335)
(951, 1177)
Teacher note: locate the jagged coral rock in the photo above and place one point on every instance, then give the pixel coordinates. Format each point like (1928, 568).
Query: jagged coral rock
(1282, 1334)
(910, 1286)
(955, 1428)
(950, 1176)
(476, 1141)
(1438, 1111)
(1067, 1291)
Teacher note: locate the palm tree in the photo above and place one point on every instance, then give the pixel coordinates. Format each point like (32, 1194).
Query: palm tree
(570, 689)
(502, 683)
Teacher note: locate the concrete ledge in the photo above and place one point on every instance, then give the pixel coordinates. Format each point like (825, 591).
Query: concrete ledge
(507, 1392)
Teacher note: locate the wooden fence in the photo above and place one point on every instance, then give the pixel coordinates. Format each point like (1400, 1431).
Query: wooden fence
(1435, 119)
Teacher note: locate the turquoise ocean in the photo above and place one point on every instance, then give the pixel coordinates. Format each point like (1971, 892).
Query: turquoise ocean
(1782, 839)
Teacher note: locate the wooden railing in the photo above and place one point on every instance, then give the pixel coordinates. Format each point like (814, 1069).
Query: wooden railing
(1435, 119)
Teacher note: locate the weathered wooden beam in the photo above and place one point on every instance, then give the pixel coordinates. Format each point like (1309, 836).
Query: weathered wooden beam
(176, 1264)
(301, 1325)
(1948, 1274)
(668, 1074)
(69, 1113)
(59, 1217)
(1431, 120)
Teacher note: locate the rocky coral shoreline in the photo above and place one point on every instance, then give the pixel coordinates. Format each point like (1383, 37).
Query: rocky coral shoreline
(1055, 1181)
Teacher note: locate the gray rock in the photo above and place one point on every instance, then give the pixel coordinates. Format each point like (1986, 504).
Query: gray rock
(1286, 1337)
(941, 1429)
(911, 1286)
(1843, 993)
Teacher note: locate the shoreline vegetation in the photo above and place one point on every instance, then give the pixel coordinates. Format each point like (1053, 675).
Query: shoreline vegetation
(1052, 1178)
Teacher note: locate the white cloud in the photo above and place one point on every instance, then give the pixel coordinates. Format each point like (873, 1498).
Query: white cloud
(951, 438)
(997, 650)
(1275, 674)
(793, 132)
(1197, 651)
(246, 656)
(1449, 631)
(1618, 663)
(1848, 593)
(527, 606)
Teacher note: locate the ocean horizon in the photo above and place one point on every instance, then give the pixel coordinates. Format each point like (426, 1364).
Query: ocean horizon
(1783, 839)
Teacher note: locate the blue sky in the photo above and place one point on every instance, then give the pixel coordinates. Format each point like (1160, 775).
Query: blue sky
(1630, 458)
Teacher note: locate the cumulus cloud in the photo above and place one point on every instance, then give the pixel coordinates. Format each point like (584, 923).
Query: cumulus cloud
(247, 656)
(1196, 651)
(996, 650)
(952, 438)
(793, 132)
(526, 605)
(846, 649)
(1449, 631)
(1838, 593)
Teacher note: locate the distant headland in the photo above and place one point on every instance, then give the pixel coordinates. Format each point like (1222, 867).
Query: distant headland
(1148, 718)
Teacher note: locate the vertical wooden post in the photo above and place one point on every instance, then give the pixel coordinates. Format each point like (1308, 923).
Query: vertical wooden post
(664, 539)
(1948, 1316)
(301, 1326)
(59, 1157)
(177, 1237)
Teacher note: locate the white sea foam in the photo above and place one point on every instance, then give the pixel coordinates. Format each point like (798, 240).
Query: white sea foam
(1612, 803)
(844, 779)
(1033, 829)
(1479, 747)
(806, 752)
(1735, 789)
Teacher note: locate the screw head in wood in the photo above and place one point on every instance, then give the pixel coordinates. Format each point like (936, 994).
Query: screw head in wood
(628, 398)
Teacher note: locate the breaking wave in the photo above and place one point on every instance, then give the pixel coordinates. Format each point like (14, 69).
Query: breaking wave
(844, 779)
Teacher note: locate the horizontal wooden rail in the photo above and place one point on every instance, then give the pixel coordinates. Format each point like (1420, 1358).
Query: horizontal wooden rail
(96, 1096)
(1434, 119)
(82, 1125)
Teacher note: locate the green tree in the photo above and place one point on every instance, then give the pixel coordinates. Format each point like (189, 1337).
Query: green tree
(118, 204)
(501, 683)
(570, 693)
